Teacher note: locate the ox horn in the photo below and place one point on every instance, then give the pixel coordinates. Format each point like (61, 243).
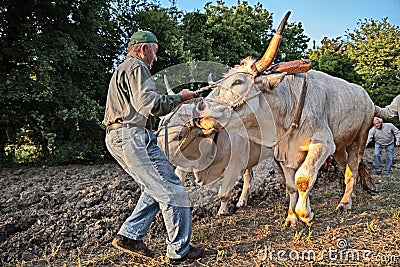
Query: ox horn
(169, 90)
(272, 50)
(210, 79)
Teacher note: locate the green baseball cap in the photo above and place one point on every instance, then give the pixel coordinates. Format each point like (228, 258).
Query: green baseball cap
(142, 37)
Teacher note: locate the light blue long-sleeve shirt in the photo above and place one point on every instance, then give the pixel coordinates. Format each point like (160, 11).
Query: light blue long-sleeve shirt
(385, 135)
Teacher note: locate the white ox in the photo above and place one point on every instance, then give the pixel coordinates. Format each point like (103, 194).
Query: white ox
(213, 157)
(334, 121)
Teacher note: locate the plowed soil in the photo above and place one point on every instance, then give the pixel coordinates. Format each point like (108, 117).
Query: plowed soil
(68, 216)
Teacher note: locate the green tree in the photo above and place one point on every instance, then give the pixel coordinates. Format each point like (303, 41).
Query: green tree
(55, 65)
(375, 46)
(294, 43)
(229, 34)
(237, 32)
(195, 36)
(332, 58)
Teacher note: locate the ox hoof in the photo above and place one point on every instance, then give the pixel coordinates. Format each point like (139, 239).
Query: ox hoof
(309, 220)
(306, 216)
(223, 213)
(291, 221)
(343, 207)
(241, 204)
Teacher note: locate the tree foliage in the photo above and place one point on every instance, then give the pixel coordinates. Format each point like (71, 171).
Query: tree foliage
(57, 58)
(332, 58)
(293, 44)
(55, 63)
(196, 36)
(230, 34)
(237, 32)
(375, 46)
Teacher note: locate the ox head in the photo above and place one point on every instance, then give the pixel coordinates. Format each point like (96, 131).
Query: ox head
(209, 156)
(188, 146)
(239, 103)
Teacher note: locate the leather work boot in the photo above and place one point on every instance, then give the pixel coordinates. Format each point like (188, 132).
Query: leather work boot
(131, 246)
(193, 254)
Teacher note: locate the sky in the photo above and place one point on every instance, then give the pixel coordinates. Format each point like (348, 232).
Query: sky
(320, 18)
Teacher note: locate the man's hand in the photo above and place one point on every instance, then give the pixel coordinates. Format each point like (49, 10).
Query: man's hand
(397, 143)
(186, 94)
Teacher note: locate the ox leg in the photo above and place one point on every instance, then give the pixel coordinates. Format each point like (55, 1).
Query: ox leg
(181, 173)
(228, 183)
(247, 177)
(288, 174)
(341, 158)
(306, 175)
(350, 175)
(223, 209)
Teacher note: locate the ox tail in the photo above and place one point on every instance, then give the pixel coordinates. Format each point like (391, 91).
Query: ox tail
(365, 179)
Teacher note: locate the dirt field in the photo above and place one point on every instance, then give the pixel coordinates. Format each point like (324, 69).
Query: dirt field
(68, 215)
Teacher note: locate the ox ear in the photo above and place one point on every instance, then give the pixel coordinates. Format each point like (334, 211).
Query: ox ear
(269, 82)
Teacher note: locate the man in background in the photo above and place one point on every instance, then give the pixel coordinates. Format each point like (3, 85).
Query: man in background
(386, 135)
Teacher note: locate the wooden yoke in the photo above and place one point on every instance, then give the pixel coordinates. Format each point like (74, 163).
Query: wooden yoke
(292, 67)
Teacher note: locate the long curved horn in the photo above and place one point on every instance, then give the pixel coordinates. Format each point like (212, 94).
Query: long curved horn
(169, 90)
(210, 79)
(272, 50)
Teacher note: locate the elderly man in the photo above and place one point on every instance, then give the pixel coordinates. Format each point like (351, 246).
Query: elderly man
(384, 135)
(132, 103)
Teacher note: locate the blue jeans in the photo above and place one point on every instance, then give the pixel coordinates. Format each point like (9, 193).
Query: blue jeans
(389, 157)
(136, 150)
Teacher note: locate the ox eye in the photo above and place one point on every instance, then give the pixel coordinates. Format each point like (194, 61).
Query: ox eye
(237, 82)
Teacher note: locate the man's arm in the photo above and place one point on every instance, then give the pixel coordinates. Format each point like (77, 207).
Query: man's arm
(166, 103)
(370, 135)
(390, 110)
(396, 133)
(145, 98)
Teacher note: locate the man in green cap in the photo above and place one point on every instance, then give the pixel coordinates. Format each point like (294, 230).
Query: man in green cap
(133, 101)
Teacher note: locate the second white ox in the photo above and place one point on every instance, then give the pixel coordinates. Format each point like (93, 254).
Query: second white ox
(213, 157)
(335, 121)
